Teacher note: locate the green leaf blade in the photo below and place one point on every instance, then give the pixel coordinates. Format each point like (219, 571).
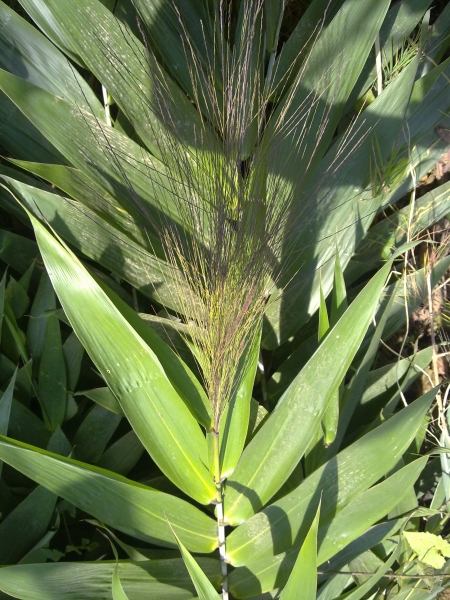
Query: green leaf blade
(156, 412)
(278, 446)
(354, 470)
(203, 586)
(131, 507)
(303, 579)
(52, 386)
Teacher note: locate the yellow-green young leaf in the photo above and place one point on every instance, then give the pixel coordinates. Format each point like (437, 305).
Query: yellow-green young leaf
(133, 508)
(235, 419)
(117, 589)
(430, 549)
(132, 371)
(203, 586)
(302, 582)
(273, 453)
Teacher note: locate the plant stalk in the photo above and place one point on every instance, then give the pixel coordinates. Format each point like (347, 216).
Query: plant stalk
(219, 512)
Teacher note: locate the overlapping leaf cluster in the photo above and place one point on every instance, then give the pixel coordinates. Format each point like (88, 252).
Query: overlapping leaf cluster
(230, 185)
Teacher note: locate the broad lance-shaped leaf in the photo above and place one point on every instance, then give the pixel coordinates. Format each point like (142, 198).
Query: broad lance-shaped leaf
(203, 586)
(273, 453)
(131, 507)
(100, 240)
(22, 528)
(155, 579)
(356, 386)
(416, 293)
(293, 53)
(44, 300)
(111, 159)
(328, 77)
(385, 379)
(235, 419)
(339, 207)
(338, 307)
(27, 53)
(303, 579)
(401, 19)
(102, 42)
(178, 373)
(168, 26)
(123, 216)
(104, 397)
(15, 250)
(263, 575)
(94, 433)
(2, 294)
(21, 138)
(156, 412)
(52, 386)
(338, 482)
(117, 589)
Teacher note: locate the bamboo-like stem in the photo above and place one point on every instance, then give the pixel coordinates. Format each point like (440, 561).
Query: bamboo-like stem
(219, 512)
(445, 437)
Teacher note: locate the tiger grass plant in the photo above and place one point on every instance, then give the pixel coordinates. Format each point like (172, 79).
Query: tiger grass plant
(213, 195)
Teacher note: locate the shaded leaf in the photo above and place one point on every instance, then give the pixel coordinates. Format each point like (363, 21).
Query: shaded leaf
(203, 586)
(52, 386)
(131, 507)
(161, 579)
(303, 579)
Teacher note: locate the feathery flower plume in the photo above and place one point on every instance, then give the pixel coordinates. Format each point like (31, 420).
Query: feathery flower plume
(236, 211)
